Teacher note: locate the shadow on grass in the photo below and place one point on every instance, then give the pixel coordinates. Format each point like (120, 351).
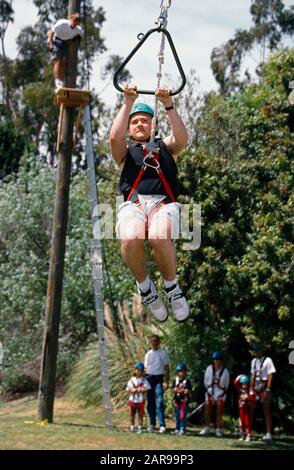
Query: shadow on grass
(283, 443)
(79, 425)
(93, 426)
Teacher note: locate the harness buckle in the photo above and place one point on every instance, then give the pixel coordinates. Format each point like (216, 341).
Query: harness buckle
(151, 147)
(152, 162)
(152, 152)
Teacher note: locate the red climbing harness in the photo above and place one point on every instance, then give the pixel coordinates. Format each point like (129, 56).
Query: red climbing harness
(181, 400)
(151, 160)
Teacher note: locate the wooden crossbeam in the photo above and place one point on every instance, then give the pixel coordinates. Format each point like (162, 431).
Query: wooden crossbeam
(72, 97)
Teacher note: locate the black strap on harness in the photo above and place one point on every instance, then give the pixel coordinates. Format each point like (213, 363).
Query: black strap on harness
(224, 389)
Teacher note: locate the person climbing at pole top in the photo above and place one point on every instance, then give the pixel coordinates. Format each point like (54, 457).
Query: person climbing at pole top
(62, 32)
(150, 209)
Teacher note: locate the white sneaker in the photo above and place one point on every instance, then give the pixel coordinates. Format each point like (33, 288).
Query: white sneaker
(150, 428)
(182, 432)
(139, 430)
(59, 83)
(162, 430)
(267, 437)
(154, 303)
(132, 428)
(178, 303)
(205, 431)
(248, 438)
(176, 432)
(218, 432)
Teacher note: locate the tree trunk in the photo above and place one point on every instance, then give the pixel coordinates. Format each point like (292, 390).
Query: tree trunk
(56, 268)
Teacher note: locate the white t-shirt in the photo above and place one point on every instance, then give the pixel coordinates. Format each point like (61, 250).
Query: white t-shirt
(267, 367)
(216, 386)
(62, 30)
(155, 361)
(138, 382)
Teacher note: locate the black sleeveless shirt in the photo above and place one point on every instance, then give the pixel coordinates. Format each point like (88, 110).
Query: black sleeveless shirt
(150, 183)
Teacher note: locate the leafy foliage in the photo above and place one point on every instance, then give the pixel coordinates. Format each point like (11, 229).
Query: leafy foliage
(26, 209)
(12, 146)
(243, 271)
(271, 22)
(85, 382)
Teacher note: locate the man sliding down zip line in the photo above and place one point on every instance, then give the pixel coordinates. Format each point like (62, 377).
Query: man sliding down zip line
(149, 185)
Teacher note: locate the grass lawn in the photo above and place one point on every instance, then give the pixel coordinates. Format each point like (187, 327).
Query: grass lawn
(77, 428)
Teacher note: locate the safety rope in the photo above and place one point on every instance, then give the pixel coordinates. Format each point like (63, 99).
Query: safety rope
(86, 59)
(162, 22)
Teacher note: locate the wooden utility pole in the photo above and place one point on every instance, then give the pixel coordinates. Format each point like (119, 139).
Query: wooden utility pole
(56, 268)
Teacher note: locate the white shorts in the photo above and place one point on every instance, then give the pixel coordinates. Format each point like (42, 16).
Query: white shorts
(150, 209)
(215, 398)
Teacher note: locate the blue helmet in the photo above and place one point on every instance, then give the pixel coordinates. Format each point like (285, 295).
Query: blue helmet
(218, 355)
(181, 366)
(140, 366)
(255, 347)
(141, 108)
(244, 379)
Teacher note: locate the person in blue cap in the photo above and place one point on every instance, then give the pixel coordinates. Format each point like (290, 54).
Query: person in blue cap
(182, 391)
(150, 209)
(138, 387)
(216, 381)
(261, 382)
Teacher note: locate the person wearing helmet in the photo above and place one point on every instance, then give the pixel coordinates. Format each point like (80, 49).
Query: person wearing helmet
(262, 374)
(216, 381)
(150, 209)
(62, 32)
(246, 400)
(137, 386)
(182, 391)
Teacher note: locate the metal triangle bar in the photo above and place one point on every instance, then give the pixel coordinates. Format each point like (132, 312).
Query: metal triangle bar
(133, 52)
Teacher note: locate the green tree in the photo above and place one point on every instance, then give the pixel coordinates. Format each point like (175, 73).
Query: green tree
(239, 282)
(12, 145)
(6, 17)
(271, 22)
(26, 209)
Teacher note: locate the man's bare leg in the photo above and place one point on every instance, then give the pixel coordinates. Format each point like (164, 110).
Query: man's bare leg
(132, 234)
(164, 253)
(133, 252)
(59, 69)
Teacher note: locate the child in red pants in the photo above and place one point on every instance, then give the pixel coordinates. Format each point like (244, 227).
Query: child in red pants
(246, 401)
(137, 387)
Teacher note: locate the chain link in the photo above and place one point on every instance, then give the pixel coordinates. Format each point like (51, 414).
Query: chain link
(162, 22)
